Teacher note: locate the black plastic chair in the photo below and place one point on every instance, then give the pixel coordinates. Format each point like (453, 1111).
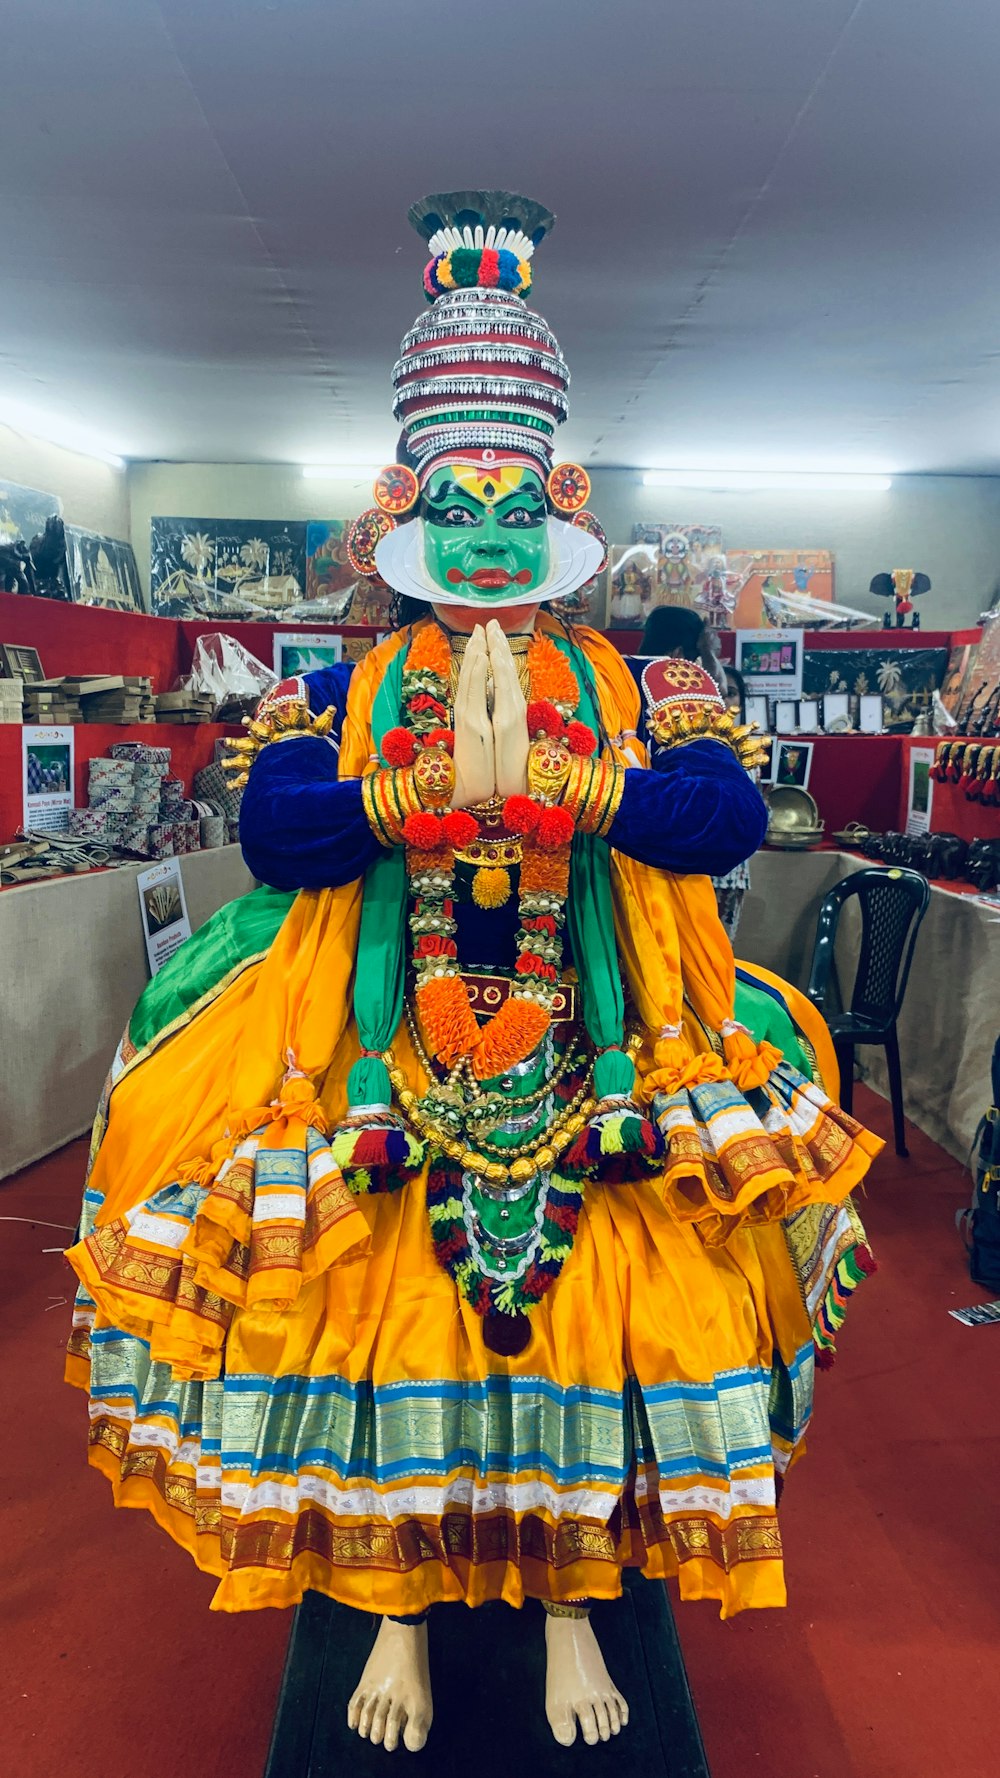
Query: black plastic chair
(892, 904)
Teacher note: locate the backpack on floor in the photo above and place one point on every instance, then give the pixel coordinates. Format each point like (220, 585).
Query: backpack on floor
(980, 1224)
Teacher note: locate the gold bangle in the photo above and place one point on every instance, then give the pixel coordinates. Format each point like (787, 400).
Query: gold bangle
(578, 786)
(371, 809)
(616, 790)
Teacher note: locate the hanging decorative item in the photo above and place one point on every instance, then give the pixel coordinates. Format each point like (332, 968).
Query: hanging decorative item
(364, 537)
(396, 489)
(568, 487)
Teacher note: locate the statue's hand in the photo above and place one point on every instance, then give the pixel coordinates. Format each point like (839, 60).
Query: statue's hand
(475, 767)
(510, 725)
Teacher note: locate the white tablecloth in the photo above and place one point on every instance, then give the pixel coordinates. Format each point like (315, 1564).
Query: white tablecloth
(72, 966)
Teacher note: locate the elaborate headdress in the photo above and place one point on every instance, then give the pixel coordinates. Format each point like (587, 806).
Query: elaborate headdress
(480, 383)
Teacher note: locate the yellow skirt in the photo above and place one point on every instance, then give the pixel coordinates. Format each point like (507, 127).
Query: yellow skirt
(361, 1439)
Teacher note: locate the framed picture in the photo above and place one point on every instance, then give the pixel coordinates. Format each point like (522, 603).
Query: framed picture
(836, 712)
(19, 662)
(757, 712)
(871, 714)
(791, 762)
(304, 651)
(785, 716)
(808, 716)
(771, 661)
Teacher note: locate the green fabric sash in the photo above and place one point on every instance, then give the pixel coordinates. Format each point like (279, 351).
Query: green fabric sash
(379, 971)
(241, 930)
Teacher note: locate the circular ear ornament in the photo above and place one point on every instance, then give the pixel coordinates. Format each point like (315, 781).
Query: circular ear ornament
(585, 521)
(568, 487)
(396, 489)
(364, 537)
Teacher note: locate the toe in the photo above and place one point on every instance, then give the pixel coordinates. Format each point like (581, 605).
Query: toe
(354, 1709)
(379, 1720)
(588, 1724)
(415, 1733)
(367, 1717)
(622, 1708)
(563, 1728)
(601, 1719)
(394, 1722)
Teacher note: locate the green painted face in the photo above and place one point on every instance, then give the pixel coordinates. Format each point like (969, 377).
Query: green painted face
(485, 532)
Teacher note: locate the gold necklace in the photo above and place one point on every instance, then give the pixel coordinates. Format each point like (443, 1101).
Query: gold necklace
(519, 644)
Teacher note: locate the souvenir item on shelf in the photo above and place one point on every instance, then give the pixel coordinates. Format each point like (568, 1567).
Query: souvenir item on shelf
(903, 585)
(452, 1202)
(688, 568)
(24, 511)
(17, 661)
(238, 568)
(101, 571)
(905, 678)
(51, 574)
(761, 580)
(793, 822)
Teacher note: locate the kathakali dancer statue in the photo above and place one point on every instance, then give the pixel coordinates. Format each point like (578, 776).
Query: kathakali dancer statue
(462, 1224)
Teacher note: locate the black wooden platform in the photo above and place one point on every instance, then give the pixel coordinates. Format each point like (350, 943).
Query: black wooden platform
(488, 1677)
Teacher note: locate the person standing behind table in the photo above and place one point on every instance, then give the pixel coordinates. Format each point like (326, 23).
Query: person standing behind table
(682, 633)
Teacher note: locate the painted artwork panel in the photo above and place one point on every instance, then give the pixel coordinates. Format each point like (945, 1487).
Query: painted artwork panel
(665, 564)
(751, 572)
(23, 511)
(250, 569)
(102, 571)
(906, 678)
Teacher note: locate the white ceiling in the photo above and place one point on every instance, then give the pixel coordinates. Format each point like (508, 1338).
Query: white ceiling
(777, 238)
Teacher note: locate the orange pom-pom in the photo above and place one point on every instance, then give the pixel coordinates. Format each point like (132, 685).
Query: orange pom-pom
(550, 674)
(398, 747)
(544, 719)
(429, 652)
(555, 828)
(441, 737)
(460, 828)
(580, 738)
(520, 814)
(424, 831)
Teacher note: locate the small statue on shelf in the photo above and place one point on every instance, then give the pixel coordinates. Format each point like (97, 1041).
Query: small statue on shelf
(16, 570)
(903, 585)
(48, 557)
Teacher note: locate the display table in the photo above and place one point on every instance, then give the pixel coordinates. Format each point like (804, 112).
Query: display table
(951, 1015)
(73, 964)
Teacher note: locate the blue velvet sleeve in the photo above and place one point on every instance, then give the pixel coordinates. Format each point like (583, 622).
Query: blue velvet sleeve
(302, 827)
(697, 811)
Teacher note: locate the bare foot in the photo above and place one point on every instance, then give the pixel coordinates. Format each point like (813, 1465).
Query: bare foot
(393, 1697)
(578, 1687)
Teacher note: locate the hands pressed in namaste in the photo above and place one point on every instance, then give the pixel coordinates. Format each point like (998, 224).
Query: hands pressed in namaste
(491, 747)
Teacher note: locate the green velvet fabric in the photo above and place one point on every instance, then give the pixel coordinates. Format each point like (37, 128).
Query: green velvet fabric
(240, 930)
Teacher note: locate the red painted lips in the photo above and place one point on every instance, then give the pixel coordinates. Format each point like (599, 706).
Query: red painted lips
(489, 579)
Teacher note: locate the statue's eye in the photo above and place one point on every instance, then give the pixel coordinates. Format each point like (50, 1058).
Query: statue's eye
(458, 515)
(520, 518)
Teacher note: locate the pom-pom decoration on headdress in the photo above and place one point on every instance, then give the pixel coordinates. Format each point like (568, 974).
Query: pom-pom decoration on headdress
(568, 487)
(396, 489)
(479, 370)
(364, 537)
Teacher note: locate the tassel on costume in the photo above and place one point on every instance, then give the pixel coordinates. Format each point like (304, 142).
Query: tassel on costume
(750, 1064)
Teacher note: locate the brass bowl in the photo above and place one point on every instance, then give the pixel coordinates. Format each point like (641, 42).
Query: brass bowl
(793, 839)
(791, 807)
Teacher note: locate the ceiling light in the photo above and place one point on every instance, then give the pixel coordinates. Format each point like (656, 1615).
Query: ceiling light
(739, 481)
(340, 472)
(52, 430)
